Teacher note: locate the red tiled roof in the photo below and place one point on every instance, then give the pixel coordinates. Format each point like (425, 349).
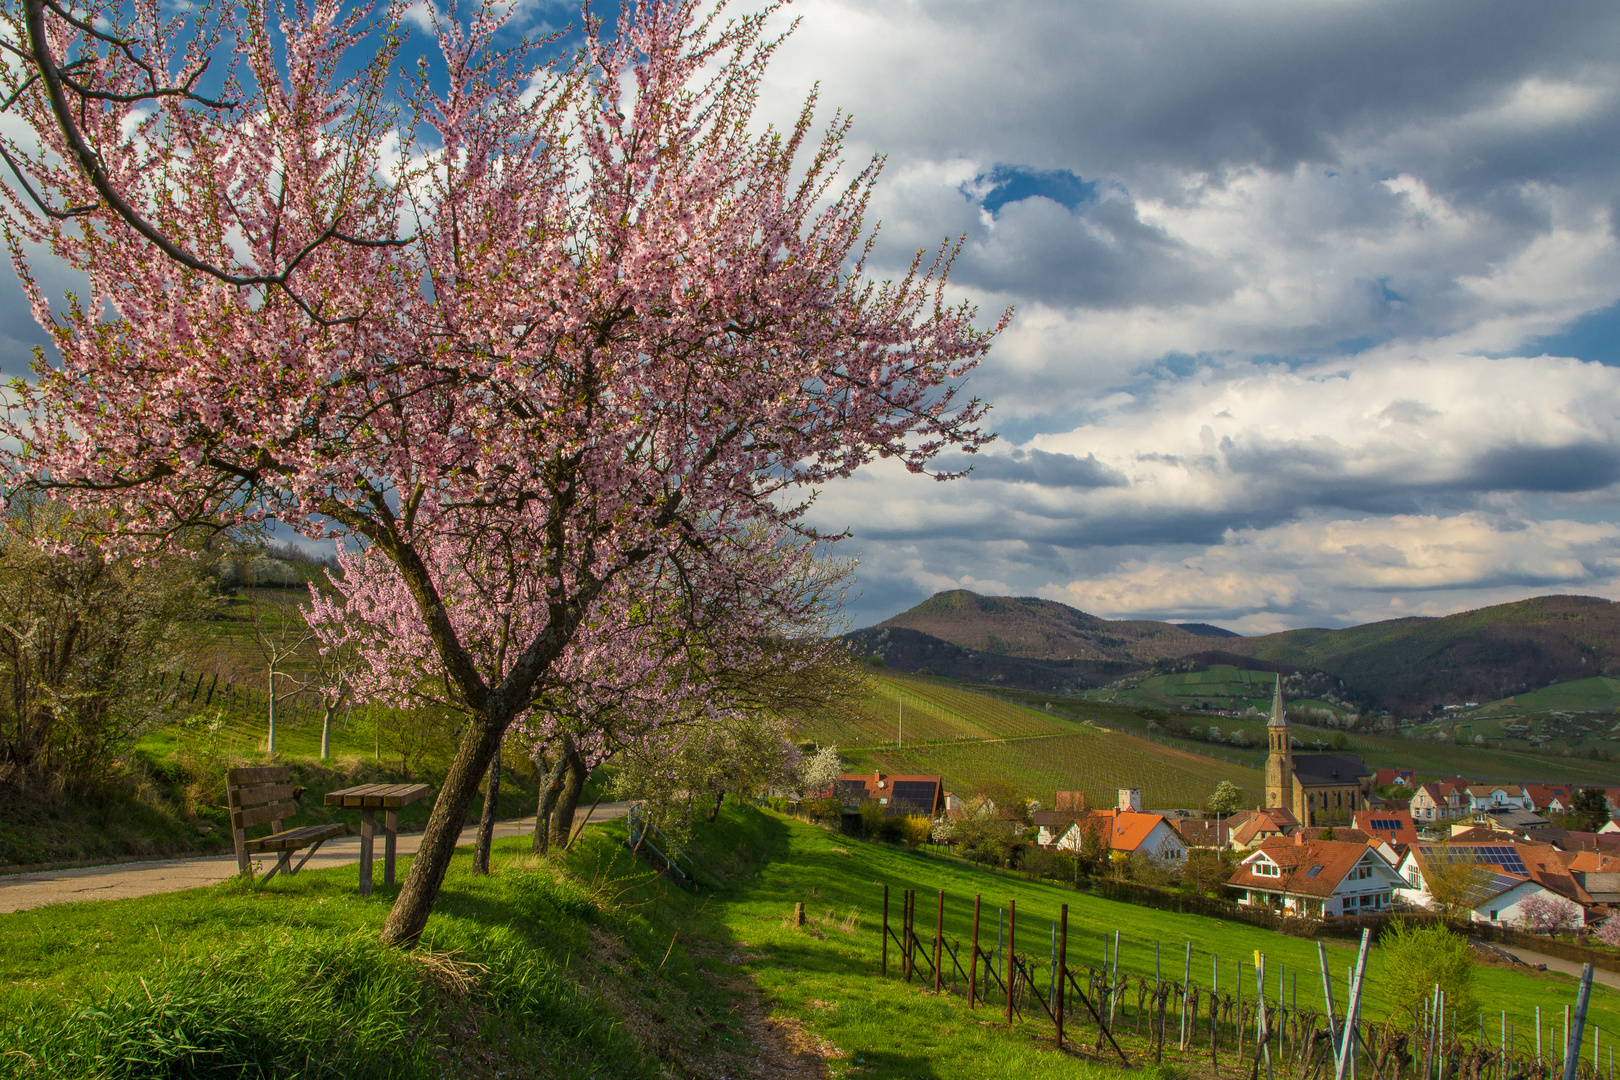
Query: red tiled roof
(1311, 868)
(1125, 830)
(1376, 823)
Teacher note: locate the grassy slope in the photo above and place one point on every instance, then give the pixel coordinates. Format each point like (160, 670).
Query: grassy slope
(586, 977)
(1429, 757)
(288, 978)
(829, 981)
(971, 738)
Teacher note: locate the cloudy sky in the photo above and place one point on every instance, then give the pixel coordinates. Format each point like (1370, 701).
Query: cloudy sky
(1316, 302)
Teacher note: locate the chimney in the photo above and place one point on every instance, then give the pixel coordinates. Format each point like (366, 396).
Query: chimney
(1130, 799)
(877, 778)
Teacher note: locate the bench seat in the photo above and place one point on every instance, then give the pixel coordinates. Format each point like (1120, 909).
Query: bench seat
(293, 839)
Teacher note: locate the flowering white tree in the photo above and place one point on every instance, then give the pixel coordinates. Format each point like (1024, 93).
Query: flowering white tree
(531, 335)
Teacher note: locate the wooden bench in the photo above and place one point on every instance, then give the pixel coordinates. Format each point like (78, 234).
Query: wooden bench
(265, 795)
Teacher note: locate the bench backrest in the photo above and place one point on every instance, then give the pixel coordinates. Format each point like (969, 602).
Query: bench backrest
(257, 796)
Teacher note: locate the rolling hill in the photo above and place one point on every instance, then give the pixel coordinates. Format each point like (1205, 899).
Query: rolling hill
(1420, 664)
(1408, 666)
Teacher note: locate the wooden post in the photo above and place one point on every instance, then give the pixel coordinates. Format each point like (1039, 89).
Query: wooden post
(905, 934)
(798, 913)
(885, 961)
(1012, 949)
(390, 844)
(939, 940)
(368, 830)
(973, 965)
(1063, 968)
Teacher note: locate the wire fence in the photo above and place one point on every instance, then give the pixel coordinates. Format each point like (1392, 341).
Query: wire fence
(1232, 1017)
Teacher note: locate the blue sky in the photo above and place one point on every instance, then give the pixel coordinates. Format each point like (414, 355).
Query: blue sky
(1318, 305)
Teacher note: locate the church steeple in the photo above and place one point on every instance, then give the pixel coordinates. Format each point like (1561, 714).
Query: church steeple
(1280, 761)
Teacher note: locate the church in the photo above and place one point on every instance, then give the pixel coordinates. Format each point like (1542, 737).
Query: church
(1320, 789)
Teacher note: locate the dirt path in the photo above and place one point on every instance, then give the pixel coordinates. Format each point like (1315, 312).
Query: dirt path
(21, 892)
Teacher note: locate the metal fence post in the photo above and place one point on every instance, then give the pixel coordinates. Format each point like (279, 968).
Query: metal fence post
(1012, 946)
(939, 939)
(973, 965)
(885, 929)
(1063, 968)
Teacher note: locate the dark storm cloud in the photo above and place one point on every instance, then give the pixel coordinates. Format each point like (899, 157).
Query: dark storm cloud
(1047, 470)
(1581, 467)
(1099, 255)
(1108, 86)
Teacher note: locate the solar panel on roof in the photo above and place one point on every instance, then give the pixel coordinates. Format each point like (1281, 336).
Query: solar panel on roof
(916, 792)
(1385, 823)
(1313, 871)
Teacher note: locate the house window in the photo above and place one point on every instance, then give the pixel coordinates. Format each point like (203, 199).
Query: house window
(1493, 914)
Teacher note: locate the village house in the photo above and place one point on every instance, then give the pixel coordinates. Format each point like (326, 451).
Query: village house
(1554, 799)
(899, 795)
(1487, 798)
(1129, 829)
(1437, 802)
(1315, 878)
(1405, 778)
(1512, 819)
(1214, 834)
(1051, 825)
(1511, 873)
(1251, 828)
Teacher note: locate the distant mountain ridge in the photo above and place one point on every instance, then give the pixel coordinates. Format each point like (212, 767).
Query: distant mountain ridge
(1406, 665)
(1036, 629)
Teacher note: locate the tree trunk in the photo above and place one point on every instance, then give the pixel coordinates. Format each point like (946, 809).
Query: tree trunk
(270, 699)
(486, 824)
(719, 800)
(562, 819)
(411, 909)
(550, 788)
(327, 712)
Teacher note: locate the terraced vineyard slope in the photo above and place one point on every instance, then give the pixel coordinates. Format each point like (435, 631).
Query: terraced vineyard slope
(978, 741)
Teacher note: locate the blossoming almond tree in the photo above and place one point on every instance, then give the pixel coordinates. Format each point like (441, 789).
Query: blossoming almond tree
(524, 332)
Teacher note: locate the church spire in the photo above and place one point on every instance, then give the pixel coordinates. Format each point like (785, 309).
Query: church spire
(1279, 715)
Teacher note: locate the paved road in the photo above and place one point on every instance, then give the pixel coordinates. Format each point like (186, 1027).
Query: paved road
(20, 892)
(1610, 979)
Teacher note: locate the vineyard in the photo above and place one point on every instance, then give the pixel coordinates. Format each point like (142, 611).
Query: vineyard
(975, 740)
(929, 713)
(1096, 762)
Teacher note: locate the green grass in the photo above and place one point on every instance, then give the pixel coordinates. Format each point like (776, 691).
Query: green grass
(828, 979)
(1580, 695)
(518, 974)
(605, 971)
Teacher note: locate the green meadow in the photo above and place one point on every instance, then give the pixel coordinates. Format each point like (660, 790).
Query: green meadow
(590, 966)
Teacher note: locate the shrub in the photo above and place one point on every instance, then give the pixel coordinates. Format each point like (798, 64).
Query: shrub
(915, 830)
(1418, 957)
